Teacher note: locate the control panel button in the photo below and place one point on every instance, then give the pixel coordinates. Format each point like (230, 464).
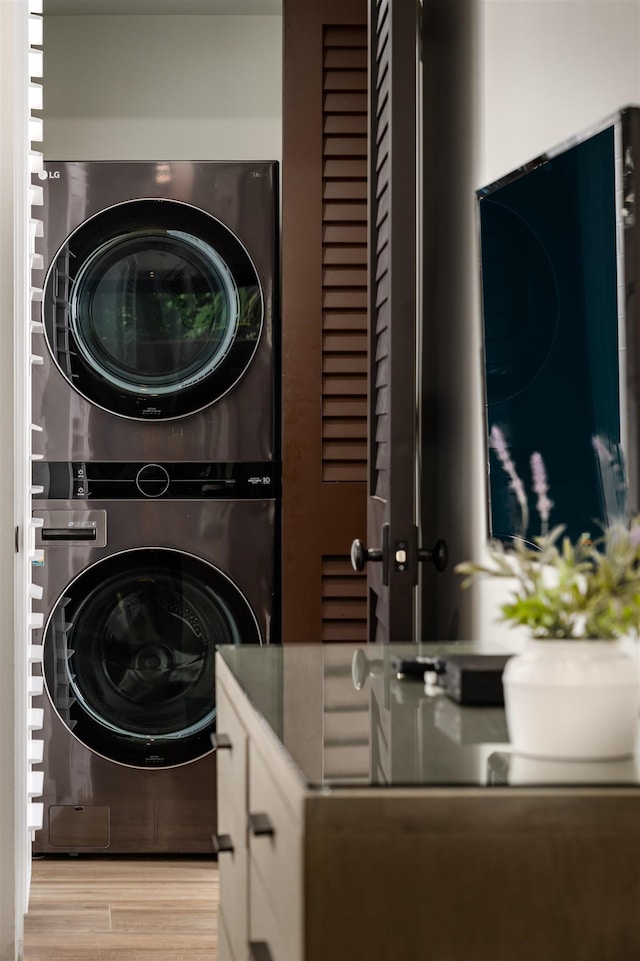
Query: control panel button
(152, 480)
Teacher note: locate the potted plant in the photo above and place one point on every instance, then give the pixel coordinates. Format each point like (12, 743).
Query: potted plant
(575, 690)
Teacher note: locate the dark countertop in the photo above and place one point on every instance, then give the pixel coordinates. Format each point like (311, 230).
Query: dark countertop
(348, 720)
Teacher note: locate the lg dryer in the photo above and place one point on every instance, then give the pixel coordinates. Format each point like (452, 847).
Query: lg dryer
(158, 312)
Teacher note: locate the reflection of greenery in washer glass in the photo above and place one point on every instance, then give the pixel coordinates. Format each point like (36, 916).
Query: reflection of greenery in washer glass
(158, 311)
(154, 312)
(250, 309)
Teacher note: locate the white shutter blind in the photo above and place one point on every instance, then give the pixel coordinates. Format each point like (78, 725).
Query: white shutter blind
(29, 325)
(20, 720)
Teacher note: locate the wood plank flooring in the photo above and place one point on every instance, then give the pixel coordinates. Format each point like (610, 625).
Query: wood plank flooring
(114, 909)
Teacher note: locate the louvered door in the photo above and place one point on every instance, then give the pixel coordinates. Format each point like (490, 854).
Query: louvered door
(393, 554)
(324, 318)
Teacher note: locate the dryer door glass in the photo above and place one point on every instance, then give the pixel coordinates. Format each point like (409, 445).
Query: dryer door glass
(129, 654)
(153, 309)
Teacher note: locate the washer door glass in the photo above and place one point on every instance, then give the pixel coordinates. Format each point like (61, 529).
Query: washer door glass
(152, 309)
(129, 654)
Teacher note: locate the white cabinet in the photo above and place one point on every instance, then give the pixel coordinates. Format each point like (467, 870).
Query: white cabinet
(232, 826)
(259, 835)
(275, 859)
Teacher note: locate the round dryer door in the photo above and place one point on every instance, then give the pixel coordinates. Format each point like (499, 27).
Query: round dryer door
(152, 309)
(129, 654)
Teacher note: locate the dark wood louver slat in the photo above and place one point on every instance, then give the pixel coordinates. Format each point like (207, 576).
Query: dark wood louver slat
(345, 190)
(337, 58)
(343, 601)
(346, 122)
(324, 308)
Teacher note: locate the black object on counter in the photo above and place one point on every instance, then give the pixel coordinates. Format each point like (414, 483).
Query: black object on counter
(474, 679)
(416, 667)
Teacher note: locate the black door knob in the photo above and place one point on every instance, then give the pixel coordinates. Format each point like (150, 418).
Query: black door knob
(360, 555)
(438, 555)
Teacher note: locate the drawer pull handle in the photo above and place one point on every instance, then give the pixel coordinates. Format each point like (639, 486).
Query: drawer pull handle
(222, 843)
(68, 534)
(259, 951)
(220, 742)
(259, 824)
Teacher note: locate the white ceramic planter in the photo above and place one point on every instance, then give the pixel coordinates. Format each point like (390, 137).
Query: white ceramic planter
(577, 700)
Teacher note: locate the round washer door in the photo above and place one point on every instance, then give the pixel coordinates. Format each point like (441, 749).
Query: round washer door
(129, 654)
(152, 309)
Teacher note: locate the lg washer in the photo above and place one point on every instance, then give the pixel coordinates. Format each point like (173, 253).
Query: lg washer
(158, 324)
(144, 571)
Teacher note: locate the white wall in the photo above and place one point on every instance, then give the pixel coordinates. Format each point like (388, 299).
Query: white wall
(163, 87)
(549, 69)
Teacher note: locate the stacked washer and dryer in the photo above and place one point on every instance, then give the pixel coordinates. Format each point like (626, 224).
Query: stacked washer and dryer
(156, 494)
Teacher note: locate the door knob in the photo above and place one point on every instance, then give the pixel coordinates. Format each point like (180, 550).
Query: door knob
(438, 555)
(363, 667)
(360, 555)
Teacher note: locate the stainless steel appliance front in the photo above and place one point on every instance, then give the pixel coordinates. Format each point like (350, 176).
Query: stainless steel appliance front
(158, 314)
(136, 595)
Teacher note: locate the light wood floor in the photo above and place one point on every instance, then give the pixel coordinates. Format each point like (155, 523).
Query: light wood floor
(111, 909)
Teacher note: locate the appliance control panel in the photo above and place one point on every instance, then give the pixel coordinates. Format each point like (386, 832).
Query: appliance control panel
(102, 480)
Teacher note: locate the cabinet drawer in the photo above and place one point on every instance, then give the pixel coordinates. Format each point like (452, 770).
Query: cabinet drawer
(266, 926)
(276, 859)
(231, 767)
(225, 952)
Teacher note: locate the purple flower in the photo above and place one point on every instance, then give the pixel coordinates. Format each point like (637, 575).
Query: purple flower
(541, 487)
(516, 485)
